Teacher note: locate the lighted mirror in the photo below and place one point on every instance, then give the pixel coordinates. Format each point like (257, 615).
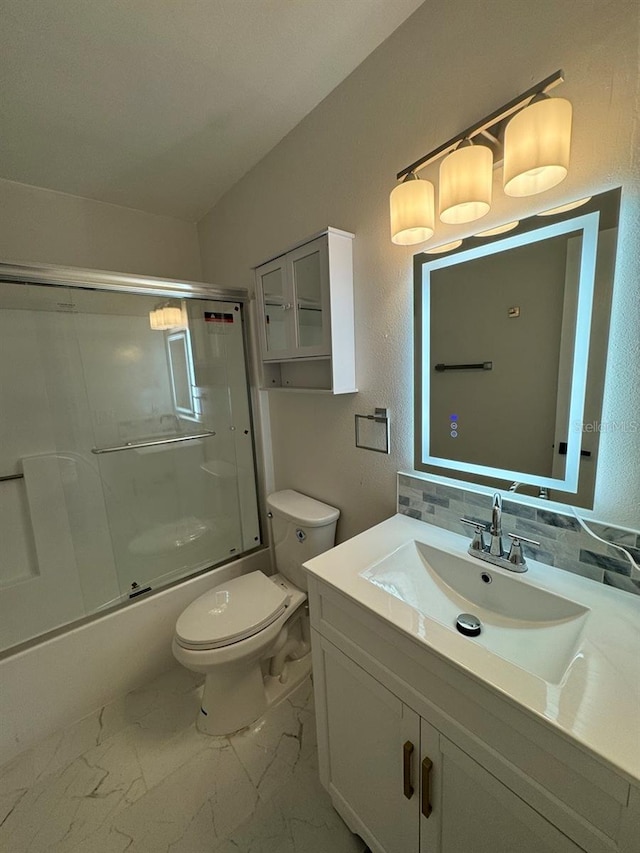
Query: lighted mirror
(511, 341)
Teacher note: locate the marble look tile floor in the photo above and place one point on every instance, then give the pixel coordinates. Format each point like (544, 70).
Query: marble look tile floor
(137, 776)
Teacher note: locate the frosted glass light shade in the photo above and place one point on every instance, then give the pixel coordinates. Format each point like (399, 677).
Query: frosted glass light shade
(466, 176)
(412, 206)
(537, 147)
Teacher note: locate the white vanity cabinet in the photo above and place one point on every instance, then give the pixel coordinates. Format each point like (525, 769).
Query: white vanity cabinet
(478, 812)
(305, 304)
(371, 741)
(420, 758)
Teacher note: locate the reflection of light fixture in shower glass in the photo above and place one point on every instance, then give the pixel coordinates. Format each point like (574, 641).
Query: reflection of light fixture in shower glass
(168, 317)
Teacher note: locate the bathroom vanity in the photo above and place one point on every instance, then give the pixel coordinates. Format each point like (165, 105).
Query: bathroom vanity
(525, 738)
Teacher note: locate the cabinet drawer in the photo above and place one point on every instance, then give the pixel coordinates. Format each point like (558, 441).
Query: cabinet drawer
(574, 790)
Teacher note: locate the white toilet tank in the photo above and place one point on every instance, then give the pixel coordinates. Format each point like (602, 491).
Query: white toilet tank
(301, 528)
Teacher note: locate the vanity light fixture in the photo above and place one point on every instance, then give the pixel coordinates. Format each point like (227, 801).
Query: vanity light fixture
(530, 135)
(412, 211)
(537, 146)
(466, 176)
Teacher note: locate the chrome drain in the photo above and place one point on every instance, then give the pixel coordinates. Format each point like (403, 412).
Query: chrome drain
(468, 624)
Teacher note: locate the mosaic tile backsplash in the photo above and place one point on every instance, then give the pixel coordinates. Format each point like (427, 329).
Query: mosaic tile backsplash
(564, 543)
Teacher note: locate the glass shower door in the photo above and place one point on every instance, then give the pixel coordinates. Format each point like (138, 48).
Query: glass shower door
(126, 449)
(165, 436)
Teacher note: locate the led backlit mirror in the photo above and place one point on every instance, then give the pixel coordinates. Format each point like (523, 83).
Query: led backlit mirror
(511, 341)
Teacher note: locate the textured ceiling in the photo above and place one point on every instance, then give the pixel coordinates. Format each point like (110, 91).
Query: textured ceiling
(163, 105)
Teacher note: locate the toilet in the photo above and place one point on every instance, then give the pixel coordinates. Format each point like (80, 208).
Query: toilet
(250, 635)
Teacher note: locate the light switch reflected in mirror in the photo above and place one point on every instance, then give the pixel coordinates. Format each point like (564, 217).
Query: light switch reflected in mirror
(511, 341)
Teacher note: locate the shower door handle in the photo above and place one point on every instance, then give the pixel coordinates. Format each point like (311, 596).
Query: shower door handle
(134, 446)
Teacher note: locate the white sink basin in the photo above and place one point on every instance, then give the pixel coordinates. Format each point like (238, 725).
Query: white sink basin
(537, 630)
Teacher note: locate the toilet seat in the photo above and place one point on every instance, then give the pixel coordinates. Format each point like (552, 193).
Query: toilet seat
(231, 612)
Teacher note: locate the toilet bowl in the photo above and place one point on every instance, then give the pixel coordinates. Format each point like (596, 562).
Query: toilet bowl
(250, 636)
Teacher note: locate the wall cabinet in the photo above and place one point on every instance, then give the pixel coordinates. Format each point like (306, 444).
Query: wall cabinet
(407, 775)
(305, 304)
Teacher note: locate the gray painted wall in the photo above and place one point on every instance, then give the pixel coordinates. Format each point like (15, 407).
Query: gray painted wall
(446, 67)
(42, 226)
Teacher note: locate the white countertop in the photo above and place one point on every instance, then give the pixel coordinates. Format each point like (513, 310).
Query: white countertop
(597, 702)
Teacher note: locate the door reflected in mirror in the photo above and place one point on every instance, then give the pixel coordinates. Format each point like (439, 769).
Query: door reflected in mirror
(511, 340)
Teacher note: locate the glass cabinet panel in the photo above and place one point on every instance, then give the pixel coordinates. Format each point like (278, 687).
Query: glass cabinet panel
(309, 314)
(275, 309)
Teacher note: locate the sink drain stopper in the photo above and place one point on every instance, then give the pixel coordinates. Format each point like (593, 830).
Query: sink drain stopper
(468, 624)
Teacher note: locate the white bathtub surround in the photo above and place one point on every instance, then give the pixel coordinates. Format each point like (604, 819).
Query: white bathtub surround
(63, 679)
(138, 776)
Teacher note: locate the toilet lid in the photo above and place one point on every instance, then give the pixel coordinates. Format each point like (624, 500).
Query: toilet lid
(231, 612)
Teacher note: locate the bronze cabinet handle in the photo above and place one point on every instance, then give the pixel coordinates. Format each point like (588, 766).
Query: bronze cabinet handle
(407, 752)
(427, 764)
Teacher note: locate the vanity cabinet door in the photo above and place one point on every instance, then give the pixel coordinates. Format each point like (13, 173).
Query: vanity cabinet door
(480, 814)
(430, 789)
(374, 749)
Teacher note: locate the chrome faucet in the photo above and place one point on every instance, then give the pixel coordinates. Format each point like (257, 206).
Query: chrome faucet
(494, 551)
(495, 546)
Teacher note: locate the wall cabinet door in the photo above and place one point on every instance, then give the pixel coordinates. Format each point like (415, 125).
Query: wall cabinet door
(374, 747)
(308, 269)
(274, 293)
(481, 814)
(294, 296)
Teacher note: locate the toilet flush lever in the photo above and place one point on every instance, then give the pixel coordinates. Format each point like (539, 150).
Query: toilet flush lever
(300, 535)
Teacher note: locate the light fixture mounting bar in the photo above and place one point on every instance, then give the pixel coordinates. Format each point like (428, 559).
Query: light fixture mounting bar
(486, 123)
